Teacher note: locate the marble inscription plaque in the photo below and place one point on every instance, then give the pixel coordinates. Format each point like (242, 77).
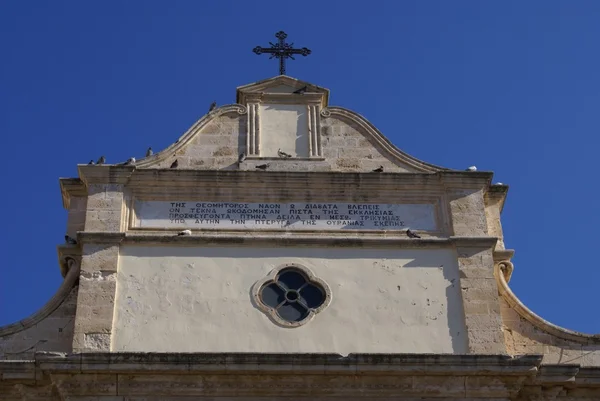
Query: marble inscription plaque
(293, 216)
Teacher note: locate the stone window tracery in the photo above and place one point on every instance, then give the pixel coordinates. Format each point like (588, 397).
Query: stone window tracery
(291, 295)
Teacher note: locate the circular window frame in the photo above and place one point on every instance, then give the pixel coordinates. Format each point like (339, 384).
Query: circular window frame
(272, 278)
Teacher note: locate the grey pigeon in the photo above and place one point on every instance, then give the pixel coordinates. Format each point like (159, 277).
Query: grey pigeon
(213, 106)
(472, 168)
(263, 166)
(70, 240)
(378, 169)
(242, 157)
(412, 235)
(282, 154)
(101, 160)
(91, 162)
(301, 90)
(174, 164)
(149, 152)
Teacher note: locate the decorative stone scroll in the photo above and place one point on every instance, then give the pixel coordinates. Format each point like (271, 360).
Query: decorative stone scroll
(288, 216)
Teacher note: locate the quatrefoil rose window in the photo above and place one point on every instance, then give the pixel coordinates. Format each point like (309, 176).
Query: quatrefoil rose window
(291, 295)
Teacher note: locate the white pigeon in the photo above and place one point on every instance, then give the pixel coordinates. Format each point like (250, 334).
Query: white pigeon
(498, 183)
(472, 168)
(185, 232)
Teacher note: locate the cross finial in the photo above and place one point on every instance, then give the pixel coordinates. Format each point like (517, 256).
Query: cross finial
(281, 50)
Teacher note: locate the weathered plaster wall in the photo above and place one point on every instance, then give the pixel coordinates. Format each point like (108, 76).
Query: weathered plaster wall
(184, 299)
(53, 332)
(285, 127)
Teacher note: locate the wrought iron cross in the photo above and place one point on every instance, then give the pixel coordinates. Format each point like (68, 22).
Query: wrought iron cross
(281, 50)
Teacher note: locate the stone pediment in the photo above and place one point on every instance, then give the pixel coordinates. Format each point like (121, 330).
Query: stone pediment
(284, 124)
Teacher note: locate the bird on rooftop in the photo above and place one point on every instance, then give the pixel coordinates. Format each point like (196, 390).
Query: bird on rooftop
(498, 183)
(213, 106)
(411, 234)
(70, 240)
(301, 90)
(282, 154)
(129, 161)
(149, 152)
(184, 232)
(263, 166)
(101, 160)
(378, 169)
(242, 157)
(174, 164)
(91, 162)
(472, 168)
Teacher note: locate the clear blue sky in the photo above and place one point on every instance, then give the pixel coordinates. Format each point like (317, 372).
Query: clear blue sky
(509, 86)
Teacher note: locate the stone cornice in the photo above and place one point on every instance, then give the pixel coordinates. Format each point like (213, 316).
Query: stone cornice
(398, 364)
(497, 193)
(395, 239)
(245, 93)
(71, 187)
(105, 174)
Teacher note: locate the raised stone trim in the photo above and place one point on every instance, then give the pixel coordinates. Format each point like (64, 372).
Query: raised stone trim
(117, 376)
(503, 271)
(336, 239)
(315, 147)
(71, 279)
(271, 313)
(253, 136)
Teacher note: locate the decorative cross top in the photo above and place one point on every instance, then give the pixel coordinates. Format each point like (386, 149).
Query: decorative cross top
(281, 50)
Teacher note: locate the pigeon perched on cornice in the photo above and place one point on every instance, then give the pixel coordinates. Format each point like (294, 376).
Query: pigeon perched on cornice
(282, 154)
(175, 164)
(472, 168)
(242, 157)
(91, 162)
(301, 90)
(378, 169)
(70, 240)
(129, 161)
(101, 160)
(149, 152)
(263, 166)
(184, 232)
(213, 106)
(411, 234)
(498, 183)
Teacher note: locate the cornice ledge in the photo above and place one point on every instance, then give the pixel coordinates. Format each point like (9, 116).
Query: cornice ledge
(557, 374)
(103, 237)
(63, 291)
(394, 152)
(175, 178)
(497, 193)
(503, 254)
(105, 174)
(187, 137)
(466, 179)
(243, 93)
(284, 238)
(474, 242)
(502, 272)
(71, 187)
(400, 364)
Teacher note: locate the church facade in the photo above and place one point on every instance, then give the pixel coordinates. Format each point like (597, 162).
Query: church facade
(285, 248)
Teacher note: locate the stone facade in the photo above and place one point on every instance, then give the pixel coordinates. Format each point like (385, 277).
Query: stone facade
(449, 325)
